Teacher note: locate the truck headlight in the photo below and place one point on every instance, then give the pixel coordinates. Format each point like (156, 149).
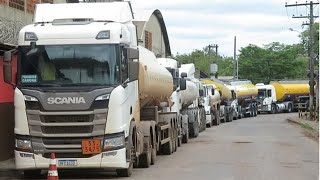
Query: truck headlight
(30, 98)
(103, 97)
(114, 142)
(23, 144)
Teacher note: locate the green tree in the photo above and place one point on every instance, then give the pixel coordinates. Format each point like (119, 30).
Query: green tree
(305, 38)
(203, 58)
(274, 61)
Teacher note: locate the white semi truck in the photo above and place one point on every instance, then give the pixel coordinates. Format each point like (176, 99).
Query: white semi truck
(212, 100)
(281, 96)
(86, 92)
(193, 100)
(186, 103)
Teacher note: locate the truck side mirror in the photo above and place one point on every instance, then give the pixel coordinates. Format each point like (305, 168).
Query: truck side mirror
(133, 70)
(183, 75)
(132, 53)
(201, 93)
(7, 67)
(183, 84)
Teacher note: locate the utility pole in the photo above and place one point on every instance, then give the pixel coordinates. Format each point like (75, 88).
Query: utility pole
(236, 65)
(311, 50)
(213, 46)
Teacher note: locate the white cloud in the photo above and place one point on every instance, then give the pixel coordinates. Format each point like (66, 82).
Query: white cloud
(193, 24)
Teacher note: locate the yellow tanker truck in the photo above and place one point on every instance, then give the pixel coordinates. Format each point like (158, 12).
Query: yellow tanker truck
(224, 108)
(281, 96)
(245, 98)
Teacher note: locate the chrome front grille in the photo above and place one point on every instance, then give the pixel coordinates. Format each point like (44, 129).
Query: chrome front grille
(63, 132)
(66, 118)
(66, 129)
(67, 124)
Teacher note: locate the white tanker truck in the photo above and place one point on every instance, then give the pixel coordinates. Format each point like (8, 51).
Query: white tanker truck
(186, 103)
(193, 100)
(87, 93)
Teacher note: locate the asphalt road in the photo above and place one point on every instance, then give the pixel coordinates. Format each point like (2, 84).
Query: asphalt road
(265, 147)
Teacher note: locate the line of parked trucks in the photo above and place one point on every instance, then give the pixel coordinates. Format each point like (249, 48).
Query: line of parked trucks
(112, 104)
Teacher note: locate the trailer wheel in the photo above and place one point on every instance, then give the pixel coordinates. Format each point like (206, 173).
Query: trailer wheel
(145, 158)
(194, 127)
(289, 108)
(167, 148)
(209, 125)
(185, 138)
(273, 109)
(255, 109)
(216, 120)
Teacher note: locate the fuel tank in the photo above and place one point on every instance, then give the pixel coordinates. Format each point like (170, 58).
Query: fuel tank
(287, 90)
(221, 87)
(190, 94)
(155, 81)
(244, 89)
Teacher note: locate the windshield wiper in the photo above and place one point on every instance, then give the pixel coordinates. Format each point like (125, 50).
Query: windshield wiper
(42, 85)
(83, 84)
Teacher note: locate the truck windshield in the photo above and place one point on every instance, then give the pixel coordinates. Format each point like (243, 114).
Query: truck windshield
(69, 65)
(262, 93)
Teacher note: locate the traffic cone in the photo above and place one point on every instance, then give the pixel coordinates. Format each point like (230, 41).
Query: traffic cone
(53, 172)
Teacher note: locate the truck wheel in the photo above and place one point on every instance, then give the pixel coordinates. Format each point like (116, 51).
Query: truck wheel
(255, 111)
(289, 108)
(273, 109)
(167, 148)
(194, 128)
(185, 137)
(153, 156)
(230, 117)
(209, 125)
(145, 158)
(31, 174)
(216, 120)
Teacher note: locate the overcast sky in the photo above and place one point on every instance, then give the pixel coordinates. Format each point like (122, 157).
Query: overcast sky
(194, 24)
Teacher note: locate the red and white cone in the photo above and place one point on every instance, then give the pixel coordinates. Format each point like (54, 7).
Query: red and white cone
(53, 171)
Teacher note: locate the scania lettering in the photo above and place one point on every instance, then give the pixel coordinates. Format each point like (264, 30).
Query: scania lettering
(66, 100)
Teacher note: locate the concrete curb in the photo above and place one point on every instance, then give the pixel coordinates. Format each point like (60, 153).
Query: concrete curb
(313, 133)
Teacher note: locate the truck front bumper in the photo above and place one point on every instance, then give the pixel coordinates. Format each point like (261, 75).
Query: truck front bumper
(106, 160)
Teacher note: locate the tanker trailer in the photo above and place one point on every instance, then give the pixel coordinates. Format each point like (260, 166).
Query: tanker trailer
(192, 100)
(180, 102)
(223, 111)
(281, 96)
(246, 95)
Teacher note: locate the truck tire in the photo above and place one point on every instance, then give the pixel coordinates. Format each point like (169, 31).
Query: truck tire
(255, 109)
(230, 117)
(185, 137)
(273, 109)
(32, 174)
(289, 108)
(216, 120)
(209, 125)
(194, 128)
(167, 148)
(145, 158)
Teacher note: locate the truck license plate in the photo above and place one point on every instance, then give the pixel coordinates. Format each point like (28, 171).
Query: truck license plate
(91, 146)
(67, 163)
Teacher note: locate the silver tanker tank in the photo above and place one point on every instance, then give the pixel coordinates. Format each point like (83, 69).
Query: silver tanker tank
(155, 82)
